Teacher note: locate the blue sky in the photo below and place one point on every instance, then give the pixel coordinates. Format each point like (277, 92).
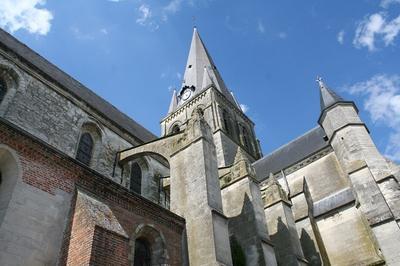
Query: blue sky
(133, 52)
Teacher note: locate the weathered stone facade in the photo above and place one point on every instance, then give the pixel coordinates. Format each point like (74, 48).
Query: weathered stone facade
(83, 184)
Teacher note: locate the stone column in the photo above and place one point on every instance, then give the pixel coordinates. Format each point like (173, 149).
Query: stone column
(241, 197)
(281, 225)
(196, 195)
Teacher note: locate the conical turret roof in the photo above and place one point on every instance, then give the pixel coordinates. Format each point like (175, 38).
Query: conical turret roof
(327, 96)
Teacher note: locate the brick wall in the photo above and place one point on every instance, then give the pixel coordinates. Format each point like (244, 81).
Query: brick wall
(106, 243)
(85, 237)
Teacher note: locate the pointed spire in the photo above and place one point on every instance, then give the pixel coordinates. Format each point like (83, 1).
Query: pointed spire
(327, 96)
(198, 59)
(174, 102)
(207, 81)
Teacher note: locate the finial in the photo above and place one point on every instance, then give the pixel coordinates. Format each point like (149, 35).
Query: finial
(194, 22)
(320, 82)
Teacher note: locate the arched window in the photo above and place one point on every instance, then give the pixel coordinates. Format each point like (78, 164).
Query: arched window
(175, 129)
(85, 149)
(227, 122)
(136, 178)
(3, 89)
(142, 253)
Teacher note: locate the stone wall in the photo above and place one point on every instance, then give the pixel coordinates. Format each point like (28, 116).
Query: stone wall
(325, 214)
(212, 103)
(48, 112)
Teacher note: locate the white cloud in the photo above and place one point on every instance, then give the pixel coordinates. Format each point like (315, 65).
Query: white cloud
(375, 28)
(387, 3)
(25, 14)
(382, 101)
(173, 6)
(260, 27)
(340, 37)
(244, 108)
(145, 14)
(104, 31)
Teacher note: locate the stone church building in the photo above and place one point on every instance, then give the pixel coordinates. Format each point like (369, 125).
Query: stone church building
(83, 184)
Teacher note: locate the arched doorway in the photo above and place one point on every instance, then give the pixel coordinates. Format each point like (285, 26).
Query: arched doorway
(142, 253)
(149, 246)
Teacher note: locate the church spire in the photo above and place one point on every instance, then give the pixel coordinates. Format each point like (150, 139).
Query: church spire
(200, 63)
(327, 96)
(174, 102)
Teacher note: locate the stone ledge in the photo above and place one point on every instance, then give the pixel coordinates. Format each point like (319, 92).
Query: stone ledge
(333, 201)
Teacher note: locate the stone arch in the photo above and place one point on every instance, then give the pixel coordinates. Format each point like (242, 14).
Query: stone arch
(199, 107)
(173, 128)
(156, 242)
(96, 133)
(11, 171)
(13, 80)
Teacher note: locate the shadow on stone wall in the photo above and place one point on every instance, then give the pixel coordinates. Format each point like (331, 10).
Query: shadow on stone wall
(238, 256)
(285, 254)
(243, 229)
(310, 252)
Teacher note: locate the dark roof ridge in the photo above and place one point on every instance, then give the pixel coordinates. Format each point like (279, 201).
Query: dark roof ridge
(292, 141)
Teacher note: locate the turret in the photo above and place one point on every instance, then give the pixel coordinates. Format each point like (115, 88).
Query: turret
(376, 189)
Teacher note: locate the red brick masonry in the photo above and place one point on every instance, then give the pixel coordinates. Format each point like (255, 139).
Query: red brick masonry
(90, 238)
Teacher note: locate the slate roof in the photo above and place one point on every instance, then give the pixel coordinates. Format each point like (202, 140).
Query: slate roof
(291, 153)
(74, 87)
(198, 64)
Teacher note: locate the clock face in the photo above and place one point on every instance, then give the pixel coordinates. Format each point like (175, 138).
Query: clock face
(186, 94)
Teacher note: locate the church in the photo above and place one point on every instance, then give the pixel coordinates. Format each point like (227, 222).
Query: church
(81, 183)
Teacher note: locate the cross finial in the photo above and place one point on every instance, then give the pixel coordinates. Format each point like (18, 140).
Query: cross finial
(320, 82)
(194, 21)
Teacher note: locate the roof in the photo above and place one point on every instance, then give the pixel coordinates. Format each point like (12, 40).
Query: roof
(74, 87)
(291, 153)
(201, 71)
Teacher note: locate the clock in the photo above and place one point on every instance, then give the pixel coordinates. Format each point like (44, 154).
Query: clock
(186, 94)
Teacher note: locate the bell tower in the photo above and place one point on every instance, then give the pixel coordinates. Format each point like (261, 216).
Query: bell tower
(204, 88)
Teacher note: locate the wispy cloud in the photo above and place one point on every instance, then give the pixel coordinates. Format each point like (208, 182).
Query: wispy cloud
(173, 6)
(157, 14)
(87, 36)
(387, 3)
(244, 108)
(376, 28)
(260, 26)
(382, 101)
(145, 14)
(282, 35)
(25, 14)
(340, 37)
